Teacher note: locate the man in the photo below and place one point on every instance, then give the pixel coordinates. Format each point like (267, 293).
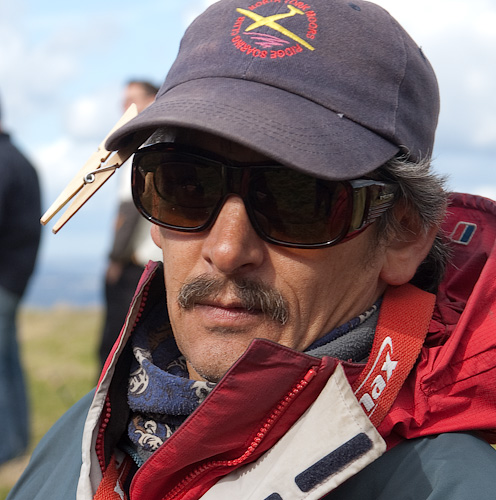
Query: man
(286, 167)
(20, 236)
(132, 246)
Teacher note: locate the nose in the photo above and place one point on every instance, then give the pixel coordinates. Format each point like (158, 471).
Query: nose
(232, 246)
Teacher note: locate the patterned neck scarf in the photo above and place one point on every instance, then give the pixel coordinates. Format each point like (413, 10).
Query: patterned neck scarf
(161, 396)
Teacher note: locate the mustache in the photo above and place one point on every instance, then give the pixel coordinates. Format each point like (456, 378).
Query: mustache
(253, 294)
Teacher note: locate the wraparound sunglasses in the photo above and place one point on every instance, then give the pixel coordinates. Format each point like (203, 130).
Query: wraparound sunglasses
(184, 189)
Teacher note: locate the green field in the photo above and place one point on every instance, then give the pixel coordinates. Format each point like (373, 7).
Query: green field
(58, 350)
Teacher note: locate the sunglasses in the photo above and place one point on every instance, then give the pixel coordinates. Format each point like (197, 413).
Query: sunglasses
(184, 189)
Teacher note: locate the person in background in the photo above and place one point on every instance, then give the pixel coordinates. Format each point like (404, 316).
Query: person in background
(132, 246)
(20, 230)
(321, 327)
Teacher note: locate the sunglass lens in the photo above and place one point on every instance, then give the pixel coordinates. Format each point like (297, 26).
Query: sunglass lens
(294, 208)
(179, 193)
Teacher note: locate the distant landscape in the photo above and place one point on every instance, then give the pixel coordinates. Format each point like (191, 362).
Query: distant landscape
(68, 282)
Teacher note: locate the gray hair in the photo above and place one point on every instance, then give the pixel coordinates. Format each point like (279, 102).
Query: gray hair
(423, 193)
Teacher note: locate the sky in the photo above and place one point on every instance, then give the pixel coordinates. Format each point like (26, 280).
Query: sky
(63, 66)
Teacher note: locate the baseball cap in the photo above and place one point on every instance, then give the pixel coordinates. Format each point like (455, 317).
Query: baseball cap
(332, 88)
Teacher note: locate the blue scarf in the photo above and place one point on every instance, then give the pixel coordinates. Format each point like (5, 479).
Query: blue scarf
(161, 396)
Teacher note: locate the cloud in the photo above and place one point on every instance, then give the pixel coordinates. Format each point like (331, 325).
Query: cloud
(86, 122)
(63, 66)
(42, 58)
(194, 9)
(486, 191)
(91, 116)
(459, 39)
(58, 162)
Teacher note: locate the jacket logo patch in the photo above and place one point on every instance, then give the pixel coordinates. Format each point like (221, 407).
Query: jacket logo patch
(275, 36)
(377, 379)
(463, 233)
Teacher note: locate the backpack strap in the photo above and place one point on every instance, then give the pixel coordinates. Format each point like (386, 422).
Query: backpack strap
(406, 312)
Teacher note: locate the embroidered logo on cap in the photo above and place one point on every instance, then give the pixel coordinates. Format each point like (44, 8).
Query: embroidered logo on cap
(278, 35)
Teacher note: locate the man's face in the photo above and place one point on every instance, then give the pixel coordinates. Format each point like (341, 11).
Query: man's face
(321, 288)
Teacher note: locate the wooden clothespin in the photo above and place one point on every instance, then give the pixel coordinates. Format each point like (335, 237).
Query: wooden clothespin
(100, 166)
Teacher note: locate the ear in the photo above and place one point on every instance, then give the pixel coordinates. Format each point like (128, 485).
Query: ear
(405, 251)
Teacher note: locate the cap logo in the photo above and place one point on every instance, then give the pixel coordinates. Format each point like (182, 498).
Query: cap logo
(284, 42)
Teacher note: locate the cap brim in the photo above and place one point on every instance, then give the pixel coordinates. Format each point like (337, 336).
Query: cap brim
(283, 126)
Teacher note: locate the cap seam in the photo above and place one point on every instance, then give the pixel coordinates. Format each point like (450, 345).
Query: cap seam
(403, 76)
(264, 126)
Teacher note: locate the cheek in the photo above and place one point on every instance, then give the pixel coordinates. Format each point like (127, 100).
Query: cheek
(181, 258)
(311, 291)
(329, 286)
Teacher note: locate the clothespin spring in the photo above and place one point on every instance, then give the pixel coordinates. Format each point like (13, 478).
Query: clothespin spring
(90, 177)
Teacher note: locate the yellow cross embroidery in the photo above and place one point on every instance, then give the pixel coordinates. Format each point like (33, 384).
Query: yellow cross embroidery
(271, 22)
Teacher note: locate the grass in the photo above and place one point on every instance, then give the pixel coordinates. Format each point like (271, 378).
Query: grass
(58, 349)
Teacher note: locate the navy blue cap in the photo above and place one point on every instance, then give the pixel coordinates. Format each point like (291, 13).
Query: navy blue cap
(330, 87)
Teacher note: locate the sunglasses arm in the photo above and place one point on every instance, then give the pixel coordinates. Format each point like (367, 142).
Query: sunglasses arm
(100, 166)
(370, 200)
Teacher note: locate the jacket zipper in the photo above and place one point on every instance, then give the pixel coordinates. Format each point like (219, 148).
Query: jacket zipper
(262, 433)
(107, 410)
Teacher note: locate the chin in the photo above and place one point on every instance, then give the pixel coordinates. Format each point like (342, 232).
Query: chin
(214, 361)
(210, 373)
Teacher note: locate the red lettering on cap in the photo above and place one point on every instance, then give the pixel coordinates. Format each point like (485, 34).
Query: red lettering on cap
(279, 29)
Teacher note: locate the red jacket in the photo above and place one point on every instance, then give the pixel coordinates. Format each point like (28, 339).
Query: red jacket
(271, 388)
(452, 387)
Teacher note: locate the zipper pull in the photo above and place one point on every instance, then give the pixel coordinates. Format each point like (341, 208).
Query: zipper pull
(311, 374)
